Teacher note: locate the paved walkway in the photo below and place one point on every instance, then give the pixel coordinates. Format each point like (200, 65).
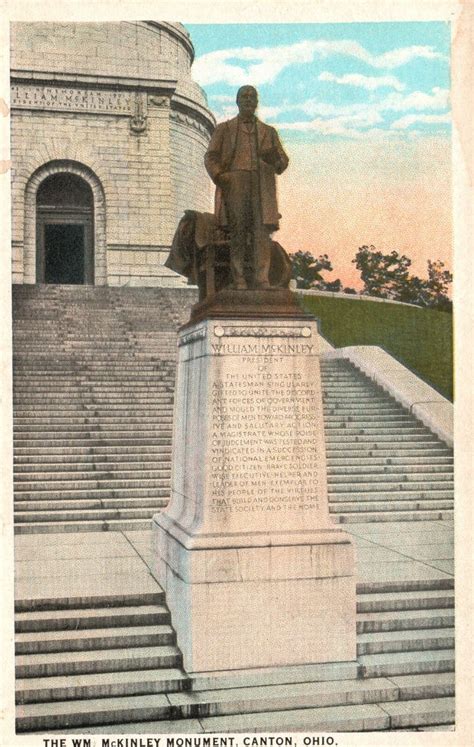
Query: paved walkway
(97, 563)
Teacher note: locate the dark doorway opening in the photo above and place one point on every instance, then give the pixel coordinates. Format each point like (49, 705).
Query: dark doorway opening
(64, 230)
(64, 254)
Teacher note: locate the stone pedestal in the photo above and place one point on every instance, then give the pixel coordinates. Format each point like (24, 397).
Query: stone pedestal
(255, 572)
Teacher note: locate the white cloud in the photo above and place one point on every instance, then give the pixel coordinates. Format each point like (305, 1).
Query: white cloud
(355, 120)
(370, 83)
(257, 65)
(404, 122)
(418, 100)
(399, 57)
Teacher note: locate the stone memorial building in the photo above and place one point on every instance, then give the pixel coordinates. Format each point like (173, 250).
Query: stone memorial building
(108, 136)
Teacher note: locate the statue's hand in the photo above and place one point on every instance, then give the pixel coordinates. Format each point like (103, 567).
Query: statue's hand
(271, 156)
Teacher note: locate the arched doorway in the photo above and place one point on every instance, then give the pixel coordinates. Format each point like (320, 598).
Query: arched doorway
(65, 230)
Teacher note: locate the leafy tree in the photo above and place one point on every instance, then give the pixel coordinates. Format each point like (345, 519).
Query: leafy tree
(306, 270)
(383, 275)
(388, 276)
(438, 284)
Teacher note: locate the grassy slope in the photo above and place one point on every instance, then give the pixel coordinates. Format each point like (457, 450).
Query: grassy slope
(419, 338)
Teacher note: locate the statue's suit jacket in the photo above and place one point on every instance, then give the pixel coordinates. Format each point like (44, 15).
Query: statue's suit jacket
(220, 155)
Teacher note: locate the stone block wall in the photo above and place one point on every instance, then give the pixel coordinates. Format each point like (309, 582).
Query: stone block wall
(130, 49)
(188, 146)
(142, 141)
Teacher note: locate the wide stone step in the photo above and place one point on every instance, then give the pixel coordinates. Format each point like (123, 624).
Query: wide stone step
(375, 430)
(351, 718)
(397, 476)
(339, 411)
(85, 505)
(374, 622)
(100, 514)
(129, 398)
(87, 410)
(134, 360)
(404, 640)
(89, 640)
(93, 617)
(408, 662)
(405, 585)
(87, 525)
(105, 685)
(336, 497)
(392, 483)
(102, 451)
(91, 433)
(58, 487)
(363, 420)
(90, 477)
(50, 716)
(134, 442)
(355, 383)
(418, 515)
(75, 604)
(91, 429)
(374, 440)
(351, 463)
(426, 504)
(281, 698)
(421, 686)
(394, 601)
(91, 417)
(353, 399)
(415, 449)
(63, 464)
(159, 385)
(305, 695)
(91, 662)
(436, 466)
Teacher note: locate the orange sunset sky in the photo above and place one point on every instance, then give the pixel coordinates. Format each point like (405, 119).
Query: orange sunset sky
(338, 195)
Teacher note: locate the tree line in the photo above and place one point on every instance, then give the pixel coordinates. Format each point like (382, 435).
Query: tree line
(383, 275)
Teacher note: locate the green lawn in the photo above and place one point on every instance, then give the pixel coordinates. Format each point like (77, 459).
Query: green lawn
(421, 339)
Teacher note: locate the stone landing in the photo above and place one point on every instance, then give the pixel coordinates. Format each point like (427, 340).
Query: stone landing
(255, 572)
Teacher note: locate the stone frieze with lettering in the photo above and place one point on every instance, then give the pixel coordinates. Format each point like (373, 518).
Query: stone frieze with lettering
(65, 98)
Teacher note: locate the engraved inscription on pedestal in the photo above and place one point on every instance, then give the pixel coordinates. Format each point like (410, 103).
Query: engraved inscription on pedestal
(263, 422)
(259, 432)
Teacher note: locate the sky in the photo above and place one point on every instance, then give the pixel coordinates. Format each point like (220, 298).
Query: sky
(363, 112)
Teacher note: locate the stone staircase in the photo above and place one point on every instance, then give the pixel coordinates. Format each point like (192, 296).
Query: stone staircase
(112, 664)
(383, 463)
(93, 395)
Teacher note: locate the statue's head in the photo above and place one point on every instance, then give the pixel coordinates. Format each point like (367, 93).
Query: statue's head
(247, 100)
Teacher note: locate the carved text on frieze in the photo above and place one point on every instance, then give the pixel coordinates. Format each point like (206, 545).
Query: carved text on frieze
(72, 99)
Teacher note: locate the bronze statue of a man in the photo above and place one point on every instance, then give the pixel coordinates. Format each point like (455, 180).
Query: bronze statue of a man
(242, 159)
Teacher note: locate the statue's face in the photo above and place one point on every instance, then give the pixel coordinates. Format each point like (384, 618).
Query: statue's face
(247, 101)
